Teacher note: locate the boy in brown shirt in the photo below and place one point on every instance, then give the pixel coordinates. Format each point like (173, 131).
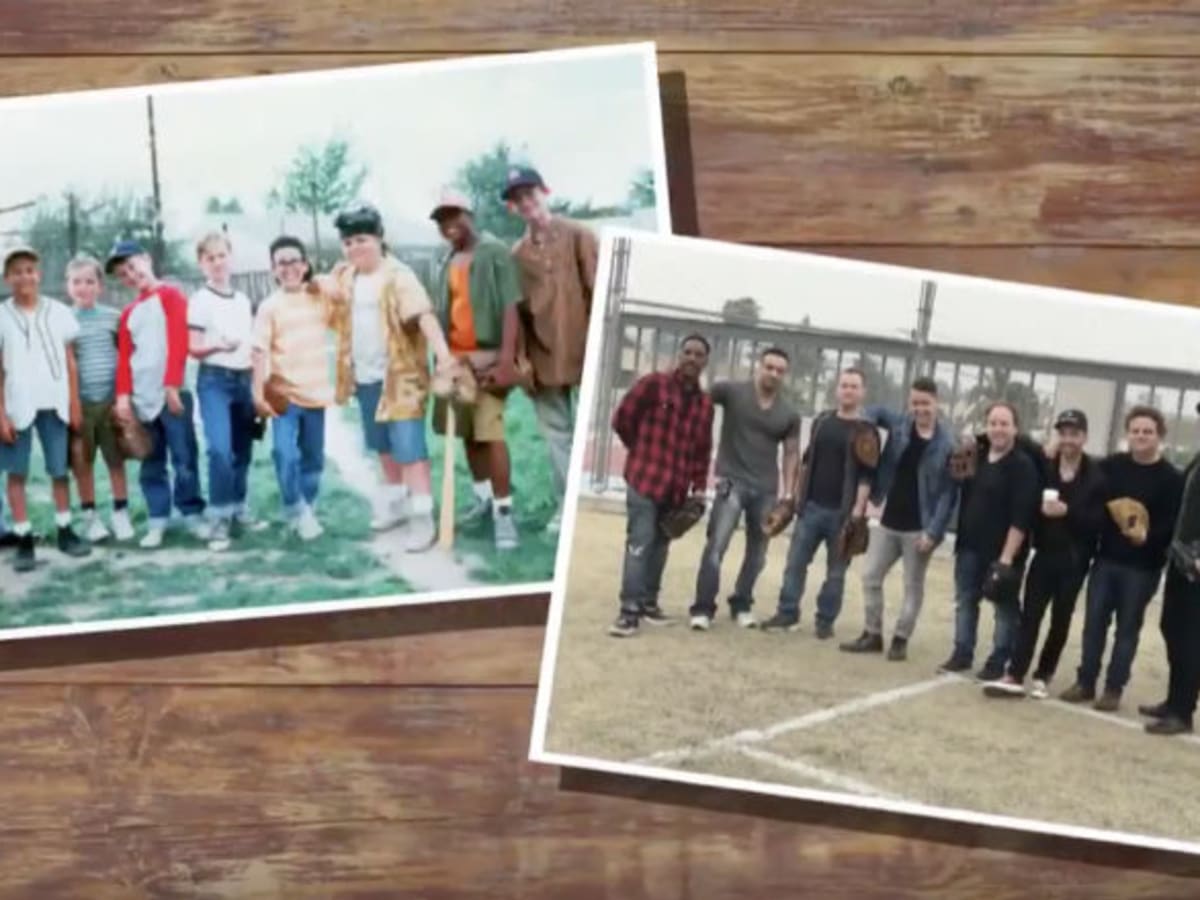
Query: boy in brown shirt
(557, 261)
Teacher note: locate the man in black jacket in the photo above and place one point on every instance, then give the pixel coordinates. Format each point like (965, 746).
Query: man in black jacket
(1180, 622)
(1064, 542)
(1130, 557)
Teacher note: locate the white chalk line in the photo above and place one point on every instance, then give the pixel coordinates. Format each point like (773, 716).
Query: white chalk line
(826, 777)
(740, 739)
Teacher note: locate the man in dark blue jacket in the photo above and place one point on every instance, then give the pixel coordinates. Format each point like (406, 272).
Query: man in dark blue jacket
(914, 486)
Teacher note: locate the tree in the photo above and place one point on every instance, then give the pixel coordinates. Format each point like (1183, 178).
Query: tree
(482, 180)
(641, 190)
(98, 222)
(742, 311)
(320, 181)
(996, 383)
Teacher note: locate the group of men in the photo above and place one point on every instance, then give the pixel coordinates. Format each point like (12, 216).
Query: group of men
(1115, 523)
(88, 379)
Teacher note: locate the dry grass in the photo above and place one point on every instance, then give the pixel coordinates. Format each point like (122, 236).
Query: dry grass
(668, 688)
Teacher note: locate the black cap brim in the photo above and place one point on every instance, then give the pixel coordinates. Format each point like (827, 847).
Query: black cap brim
(517, 185)
(113, 262)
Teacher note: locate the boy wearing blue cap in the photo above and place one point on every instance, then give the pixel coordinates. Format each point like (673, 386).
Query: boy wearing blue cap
(557, 261)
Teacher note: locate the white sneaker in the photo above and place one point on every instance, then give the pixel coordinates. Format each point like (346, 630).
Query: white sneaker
(389, 515)
(218, 537)
(122, 528)
(1005, 686)
(248, 523)
(700, 623)
(745, 620)
(153, 539)
(198, 528)
(554, 526)
(422, 534)
(93, 528)
(1039, 690)
(307, 526)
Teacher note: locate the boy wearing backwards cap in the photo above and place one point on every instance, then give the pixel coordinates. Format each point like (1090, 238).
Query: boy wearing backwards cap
(557, 261)
(476, 294)
(40, 392)
(152, 350)
(386, 326)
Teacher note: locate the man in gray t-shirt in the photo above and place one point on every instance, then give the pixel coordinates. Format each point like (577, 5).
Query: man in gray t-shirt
(756, 420)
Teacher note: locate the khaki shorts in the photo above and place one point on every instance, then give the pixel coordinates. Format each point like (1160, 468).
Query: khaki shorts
(480, 423)
(97, 433)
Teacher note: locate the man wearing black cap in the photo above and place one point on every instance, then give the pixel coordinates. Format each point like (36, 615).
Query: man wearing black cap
(1064, 541)
(557, 260)
(386, 328)
(475, 293)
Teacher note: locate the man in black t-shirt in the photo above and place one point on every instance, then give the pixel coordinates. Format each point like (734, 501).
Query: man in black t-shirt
(1130, 559)
(835, 486)
(996, 513)
(756, 422)
(1064, 542)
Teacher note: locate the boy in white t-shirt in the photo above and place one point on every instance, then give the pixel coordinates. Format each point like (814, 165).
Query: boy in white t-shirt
(40, 392)
(221, 327)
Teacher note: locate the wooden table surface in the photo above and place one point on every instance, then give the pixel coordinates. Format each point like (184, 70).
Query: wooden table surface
(382, 754)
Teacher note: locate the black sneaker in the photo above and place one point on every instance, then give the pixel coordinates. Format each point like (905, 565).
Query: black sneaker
(626, 625)
(954, 664)
(898, 652)
(780, 622)
(989, 673)
(1157, 711)
(71, 544)
(864, 643)
(653, 615)
(9, 540)
(25, 561)
(824, 631)
(1169, 725)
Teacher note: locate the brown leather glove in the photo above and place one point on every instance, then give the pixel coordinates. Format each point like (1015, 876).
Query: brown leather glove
(779, 518)
(680, 520)
(853, 538)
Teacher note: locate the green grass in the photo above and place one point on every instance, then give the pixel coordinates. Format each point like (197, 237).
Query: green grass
(268, 568)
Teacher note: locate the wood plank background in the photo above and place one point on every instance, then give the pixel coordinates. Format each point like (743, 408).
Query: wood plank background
(382, 753)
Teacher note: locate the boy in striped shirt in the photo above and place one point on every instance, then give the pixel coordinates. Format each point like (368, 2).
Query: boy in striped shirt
(96, 357)
(291, 358)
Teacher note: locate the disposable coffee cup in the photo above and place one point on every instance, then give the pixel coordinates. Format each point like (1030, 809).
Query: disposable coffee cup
(1049, 495)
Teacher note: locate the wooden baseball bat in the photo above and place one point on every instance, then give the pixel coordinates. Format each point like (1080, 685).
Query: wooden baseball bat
(446, 526)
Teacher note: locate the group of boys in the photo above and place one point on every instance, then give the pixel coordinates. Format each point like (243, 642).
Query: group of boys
(81, 376)
(1115, 523)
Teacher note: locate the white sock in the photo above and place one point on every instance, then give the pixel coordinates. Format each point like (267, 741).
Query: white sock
(396, 492)
(503, 504)
(483, 490)
(20, 529)
(422, 504)
(62, 520)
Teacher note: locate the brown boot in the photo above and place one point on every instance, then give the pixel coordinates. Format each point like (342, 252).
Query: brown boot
(1077, 693)
(1110, 701)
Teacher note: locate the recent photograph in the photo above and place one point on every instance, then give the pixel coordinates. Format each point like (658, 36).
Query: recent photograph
(884, 537)
(304, 341)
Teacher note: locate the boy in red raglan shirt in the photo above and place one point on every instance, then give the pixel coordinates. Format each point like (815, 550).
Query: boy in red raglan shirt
(152, 348)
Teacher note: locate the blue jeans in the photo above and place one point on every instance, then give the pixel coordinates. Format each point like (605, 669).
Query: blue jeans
(645, 553)
(52, 435)
(227, 411)
(403, 440)
(173, 436)
(731, 503)
(816, 525)
(298, 449)
(1123, 592)
(970, 571)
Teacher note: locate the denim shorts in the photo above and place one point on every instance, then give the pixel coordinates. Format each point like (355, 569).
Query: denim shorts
(52, 435)
(403, 441)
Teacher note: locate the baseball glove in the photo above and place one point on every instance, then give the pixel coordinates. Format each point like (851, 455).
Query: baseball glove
(864, 444)
(134, 441)
(275, 398)
(1002, 584)
(680, 520)
(1130, 516)
(779, 518)
(852, 540)
(964, 459)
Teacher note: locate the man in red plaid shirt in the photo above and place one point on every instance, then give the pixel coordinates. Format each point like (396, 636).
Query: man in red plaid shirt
(665, 422)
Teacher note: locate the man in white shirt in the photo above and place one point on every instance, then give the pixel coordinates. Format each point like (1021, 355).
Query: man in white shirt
(40, 392)
(220, 327)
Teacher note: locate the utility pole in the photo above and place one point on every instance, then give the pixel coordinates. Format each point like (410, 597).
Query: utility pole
(72, 223)
(920, 334)
(158, 250)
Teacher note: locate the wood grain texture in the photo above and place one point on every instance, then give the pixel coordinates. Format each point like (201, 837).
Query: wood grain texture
(382, 753)
(927, 150)
(253, 26)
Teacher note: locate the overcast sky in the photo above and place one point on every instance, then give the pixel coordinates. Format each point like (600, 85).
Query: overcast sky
(880, 300)
(584, 122)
